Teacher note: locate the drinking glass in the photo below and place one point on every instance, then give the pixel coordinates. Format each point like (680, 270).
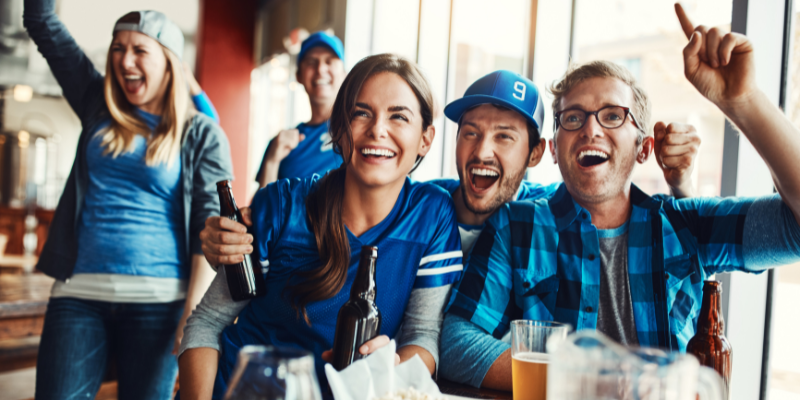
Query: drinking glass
(529, 358)
(271, 373)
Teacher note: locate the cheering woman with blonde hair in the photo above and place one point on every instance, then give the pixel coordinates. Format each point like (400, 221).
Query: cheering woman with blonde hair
(123, 245)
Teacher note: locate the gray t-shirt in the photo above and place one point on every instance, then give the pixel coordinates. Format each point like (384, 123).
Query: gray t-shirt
(615, 313)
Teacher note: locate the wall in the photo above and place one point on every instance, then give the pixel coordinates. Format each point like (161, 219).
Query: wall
(224, 63)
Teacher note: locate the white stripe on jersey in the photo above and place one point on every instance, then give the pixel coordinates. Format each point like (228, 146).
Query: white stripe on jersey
(440, 271)
(439, 257)
(264, 263)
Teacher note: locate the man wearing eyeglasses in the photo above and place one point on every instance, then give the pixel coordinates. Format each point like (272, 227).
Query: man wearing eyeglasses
(600, 253)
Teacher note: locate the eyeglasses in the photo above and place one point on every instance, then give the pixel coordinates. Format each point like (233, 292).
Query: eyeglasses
(610, 117)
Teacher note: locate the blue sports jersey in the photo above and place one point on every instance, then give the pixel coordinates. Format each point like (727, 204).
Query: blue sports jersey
(418, 247)
(313, 155)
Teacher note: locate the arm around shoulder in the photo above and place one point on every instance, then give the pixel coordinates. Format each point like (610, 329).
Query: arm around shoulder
(469, 354)
(80, 82)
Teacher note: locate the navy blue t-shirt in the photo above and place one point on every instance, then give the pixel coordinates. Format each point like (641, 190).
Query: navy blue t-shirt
(313, 155)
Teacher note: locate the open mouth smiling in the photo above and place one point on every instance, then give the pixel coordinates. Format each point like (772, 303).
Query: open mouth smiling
(591, 158)
(133, 82)
(482, 178)
(379, 154)
(322, 82)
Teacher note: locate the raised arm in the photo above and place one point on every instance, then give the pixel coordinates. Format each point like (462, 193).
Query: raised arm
(79, 80)
(722, 68)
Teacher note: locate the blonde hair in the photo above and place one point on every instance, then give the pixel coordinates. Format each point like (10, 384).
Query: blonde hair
(577, 73)
(165, 142)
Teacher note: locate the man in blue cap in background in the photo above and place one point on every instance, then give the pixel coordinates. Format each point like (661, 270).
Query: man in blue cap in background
(306, 149)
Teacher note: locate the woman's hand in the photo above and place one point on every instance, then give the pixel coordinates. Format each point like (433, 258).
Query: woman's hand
(225, 241)
(366, 349)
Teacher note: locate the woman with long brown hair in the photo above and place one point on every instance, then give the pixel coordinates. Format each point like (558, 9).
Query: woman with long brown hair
(124, 242)
(310, 232)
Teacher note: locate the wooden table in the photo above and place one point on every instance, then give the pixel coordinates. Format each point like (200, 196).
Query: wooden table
(457, 389)
(23, 301)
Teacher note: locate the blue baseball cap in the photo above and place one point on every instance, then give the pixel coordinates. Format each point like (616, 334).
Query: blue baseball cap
(321, 39)
(504, 88)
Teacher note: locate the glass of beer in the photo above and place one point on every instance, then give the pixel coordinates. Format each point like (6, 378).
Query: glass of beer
(529, 356)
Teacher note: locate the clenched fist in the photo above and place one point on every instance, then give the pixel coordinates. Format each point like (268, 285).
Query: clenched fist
(280, 147)
(676, 147)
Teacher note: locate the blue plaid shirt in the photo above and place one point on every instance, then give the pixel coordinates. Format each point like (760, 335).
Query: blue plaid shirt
(540, 260)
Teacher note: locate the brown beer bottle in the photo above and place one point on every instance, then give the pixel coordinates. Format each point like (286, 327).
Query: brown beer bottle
(709, 344)
(359, 319)
(245, 280)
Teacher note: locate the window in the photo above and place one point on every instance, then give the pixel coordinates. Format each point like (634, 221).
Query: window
(482, 39)
(784, 377)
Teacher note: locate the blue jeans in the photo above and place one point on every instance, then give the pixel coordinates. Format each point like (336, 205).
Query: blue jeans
(80, 335)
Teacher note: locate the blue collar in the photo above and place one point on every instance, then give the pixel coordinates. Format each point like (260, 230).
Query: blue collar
(565, 210)
(613, 232)
(151, 120)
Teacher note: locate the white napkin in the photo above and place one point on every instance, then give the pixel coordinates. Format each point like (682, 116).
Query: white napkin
(377, 375)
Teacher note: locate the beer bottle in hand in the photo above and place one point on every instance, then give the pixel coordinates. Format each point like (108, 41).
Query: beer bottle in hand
(245, 280)
(359, 319)
(709, 344)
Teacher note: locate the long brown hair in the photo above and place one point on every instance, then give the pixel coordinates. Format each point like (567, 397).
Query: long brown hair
(324, 206)
(163, 146)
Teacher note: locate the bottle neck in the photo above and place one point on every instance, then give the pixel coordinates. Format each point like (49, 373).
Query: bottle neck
(227, 205)
(710, 321)
(364, 286)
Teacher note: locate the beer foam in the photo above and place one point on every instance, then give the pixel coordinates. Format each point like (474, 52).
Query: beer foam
(530, 357)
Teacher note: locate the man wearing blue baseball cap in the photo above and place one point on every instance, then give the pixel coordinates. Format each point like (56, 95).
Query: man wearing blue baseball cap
(499, 121)
(306, 149)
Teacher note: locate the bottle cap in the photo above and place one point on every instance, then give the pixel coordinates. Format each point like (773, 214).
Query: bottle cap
(372, 251)
(712, 286)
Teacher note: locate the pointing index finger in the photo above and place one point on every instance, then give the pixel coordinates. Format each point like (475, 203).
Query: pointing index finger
(686, 23)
